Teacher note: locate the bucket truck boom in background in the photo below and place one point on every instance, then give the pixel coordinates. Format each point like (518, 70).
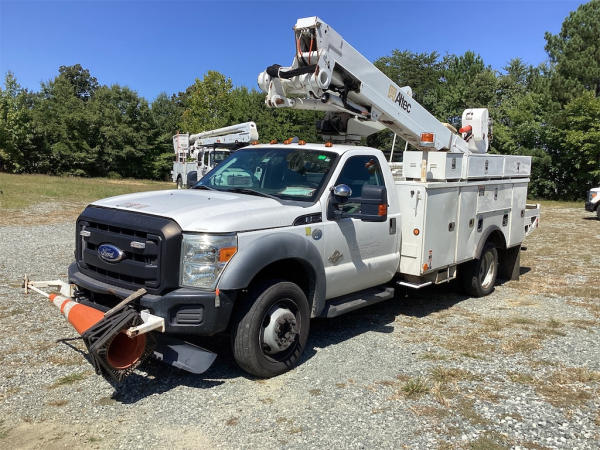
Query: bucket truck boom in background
(198, 154)
(280, 233)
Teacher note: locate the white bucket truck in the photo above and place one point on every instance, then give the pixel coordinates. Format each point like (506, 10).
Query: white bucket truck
(592, 201)
(198, 154)
(281, 233)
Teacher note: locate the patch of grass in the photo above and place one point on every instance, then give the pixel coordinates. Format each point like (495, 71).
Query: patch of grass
(3, 430)
(21, 193)
(61, 402)
(430, 356)
(232, 421)
(106, 401)
(69, 379)
(493, 324)
(521, 378)
(11, 312)
(521, 344)
(522, 321)
(93, 439)
(315, 392)
(490, 441)
(295, 430)
(466, 408)
(450, 374)
(7, 393)
(563, 396)
(266, 401)
(429, 411)
(415, 387)
(568, 387)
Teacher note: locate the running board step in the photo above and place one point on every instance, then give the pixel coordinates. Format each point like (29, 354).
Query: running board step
(342, 305)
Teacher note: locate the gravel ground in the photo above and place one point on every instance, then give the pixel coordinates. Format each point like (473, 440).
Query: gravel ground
(517, 369)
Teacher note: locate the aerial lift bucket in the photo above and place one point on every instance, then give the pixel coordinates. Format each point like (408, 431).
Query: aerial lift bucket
(114, 341)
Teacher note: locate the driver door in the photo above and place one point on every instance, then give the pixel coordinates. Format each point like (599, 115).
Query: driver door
(358, 255)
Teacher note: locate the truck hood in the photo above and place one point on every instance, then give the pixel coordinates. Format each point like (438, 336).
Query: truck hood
(211, 211)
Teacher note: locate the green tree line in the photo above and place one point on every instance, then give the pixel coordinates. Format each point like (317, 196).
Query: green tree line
(75, 126)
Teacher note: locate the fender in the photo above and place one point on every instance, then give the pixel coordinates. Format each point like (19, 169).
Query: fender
(484, 237)
(249, 261)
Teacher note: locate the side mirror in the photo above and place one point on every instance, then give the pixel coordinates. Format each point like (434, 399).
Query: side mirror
(373, 203)
(342, 192)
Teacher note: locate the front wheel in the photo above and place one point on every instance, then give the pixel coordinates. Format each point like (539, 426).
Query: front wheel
(479, 276)
(270, 329)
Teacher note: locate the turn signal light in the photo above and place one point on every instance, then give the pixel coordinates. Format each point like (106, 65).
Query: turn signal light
(328, 144)
(416, 232)
(425, 267)
(382, 209)
(226, 253)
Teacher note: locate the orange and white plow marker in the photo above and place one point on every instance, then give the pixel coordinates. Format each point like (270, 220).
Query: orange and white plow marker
(117, 340)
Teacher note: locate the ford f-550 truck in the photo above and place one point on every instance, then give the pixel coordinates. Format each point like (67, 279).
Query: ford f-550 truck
(281, 233)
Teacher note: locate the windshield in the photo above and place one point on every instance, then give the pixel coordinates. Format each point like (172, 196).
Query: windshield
(286, 173)
(218, 156)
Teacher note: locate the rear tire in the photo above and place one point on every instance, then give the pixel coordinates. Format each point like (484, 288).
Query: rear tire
(479, 276)
(271, 328)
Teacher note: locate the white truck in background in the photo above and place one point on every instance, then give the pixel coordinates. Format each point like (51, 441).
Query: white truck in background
(198, 154)
(281, 233)
(592, 201)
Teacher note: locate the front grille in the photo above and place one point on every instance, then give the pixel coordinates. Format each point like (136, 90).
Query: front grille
(153, 267)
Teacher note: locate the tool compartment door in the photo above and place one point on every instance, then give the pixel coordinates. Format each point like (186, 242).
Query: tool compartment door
(440, 227)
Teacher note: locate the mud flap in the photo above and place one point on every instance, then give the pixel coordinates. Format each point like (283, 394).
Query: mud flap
(183, 355)
(510, 263)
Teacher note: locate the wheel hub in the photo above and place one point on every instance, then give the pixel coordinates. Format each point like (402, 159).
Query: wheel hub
(280, 331)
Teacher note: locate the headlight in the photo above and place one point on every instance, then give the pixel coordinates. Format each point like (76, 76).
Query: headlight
(203, 258)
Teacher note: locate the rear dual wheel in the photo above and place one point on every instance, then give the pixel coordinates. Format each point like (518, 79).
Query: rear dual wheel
(270, 328)
(479, 276)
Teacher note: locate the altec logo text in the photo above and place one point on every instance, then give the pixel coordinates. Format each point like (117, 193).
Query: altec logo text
(398, 97)
(402, 102)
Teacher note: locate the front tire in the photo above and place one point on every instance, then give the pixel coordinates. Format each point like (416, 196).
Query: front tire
(271, 328)
(479, 276)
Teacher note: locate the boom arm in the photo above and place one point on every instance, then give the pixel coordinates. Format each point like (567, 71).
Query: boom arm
(234, 136)
(328, 74)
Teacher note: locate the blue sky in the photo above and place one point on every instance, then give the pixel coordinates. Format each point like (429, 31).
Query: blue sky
(156, 46)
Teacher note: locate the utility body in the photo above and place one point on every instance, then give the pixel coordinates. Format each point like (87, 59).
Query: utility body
(198, 154)
(281, 233)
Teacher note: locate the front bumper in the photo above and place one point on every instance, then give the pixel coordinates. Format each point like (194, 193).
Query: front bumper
(591, 207)
(186, 311)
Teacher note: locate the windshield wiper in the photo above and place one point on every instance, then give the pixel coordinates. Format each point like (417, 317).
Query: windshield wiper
(252, 192)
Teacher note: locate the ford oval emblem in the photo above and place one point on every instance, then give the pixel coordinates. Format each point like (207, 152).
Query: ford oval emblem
(110, 253)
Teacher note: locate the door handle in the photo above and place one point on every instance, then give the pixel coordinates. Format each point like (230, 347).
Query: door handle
(393, 225)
